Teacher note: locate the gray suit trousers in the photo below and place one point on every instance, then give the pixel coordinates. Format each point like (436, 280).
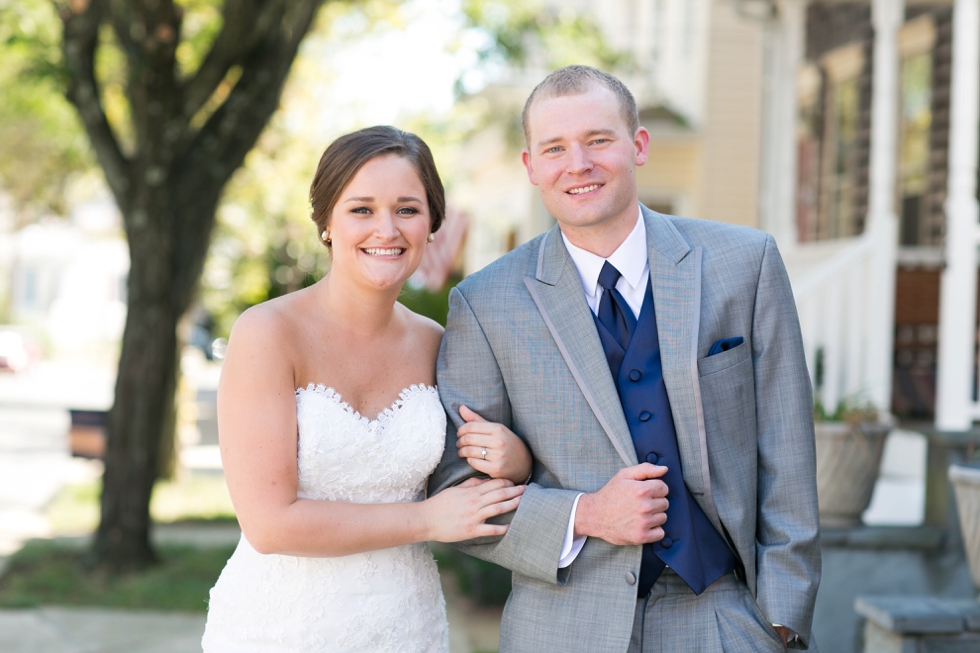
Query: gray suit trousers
(724, 617)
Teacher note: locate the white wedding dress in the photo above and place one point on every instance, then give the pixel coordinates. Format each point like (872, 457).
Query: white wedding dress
(387, 600)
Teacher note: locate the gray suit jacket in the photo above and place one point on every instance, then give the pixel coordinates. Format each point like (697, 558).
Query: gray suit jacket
(521, 348)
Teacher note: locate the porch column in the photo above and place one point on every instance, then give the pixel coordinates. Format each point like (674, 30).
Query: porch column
(882, 224)
(958, 287)
(784, 53)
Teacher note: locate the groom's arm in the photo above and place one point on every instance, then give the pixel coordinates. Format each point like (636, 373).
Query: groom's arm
(468, 374)
(787, 543)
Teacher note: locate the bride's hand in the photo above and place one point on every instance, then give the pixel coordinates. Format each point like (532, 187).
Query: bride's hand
(460, 512)
(492, 448)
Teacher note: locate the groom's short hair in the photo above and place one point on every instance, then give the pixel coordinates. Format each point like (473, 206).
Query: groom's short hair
(574, 80)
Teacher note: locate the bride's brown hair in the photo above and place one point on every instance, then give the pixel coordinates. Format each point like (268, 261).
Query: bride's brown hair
(348, 154)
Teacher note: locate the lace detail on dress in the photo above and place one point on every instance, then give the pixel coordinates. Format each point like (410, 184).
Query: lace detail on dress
(388, 600)
(384, 416)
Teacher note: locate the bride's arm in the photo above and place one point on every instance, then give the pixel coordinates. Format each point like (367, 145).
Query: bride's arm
(258, 437)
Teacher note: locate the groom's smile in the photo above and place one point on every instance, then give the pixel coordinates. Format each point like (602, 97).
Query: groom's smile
(582, 190)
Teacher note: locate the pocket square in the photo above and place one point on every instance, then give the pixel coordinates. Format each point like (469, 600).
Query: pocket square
(725, 344)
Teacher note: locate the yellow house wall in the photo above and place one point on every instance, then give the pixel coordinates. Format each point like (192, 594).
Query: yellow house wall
(731, 136)
(671, 173)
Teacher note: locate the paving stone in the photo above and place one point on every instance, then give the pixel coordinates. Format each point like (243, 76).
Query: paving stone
(970, 611)
(105, 631)
(911, 614)
(950, 645)
(91, 630)
(25, 631)
(901, 538)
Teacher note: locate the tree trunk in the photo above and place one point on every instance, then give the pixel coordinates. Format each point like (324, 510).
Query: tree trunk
(136, 431)
(167, 189)
(142, 414)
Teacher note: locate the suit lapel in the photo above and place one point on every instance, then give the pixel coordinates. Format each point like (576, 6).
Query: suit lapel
(557, 292)
(675, 275)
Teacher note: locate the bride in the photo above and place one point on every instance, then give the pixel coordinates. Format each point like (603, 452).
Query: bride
(330, 423)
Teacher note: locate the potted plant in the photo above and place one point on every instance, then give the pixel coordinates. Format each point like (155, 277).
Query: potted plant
(965, 478)
(849, 442)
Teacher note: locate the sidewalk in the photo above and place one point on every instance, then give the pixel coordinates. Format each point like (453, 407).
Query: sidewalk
(91, 630)
(94, 630)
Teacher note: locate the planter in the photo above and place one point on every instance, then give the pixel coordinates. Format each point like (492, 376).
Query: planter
(966, 482)
(848, 457)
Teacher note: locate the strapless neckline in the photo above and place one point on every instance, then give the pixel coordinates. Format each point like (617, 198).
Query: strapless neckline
(381, 418)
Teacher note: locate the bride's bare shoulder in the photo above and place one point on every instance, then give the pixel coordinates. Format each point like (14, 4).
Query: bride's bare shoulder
(424, 338)
(268, 329)
(427, 331)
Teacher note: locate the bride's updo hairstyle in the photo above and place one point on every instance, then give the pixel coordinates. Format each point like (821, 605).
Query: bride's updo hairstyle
(346, 155)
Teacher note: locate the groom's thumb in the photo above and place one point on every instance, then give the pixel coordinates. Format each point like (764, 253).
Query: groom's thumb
(469, 416)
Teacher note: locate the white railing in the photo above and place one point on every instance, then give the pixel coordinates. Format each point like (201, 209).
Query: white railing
(835, 299)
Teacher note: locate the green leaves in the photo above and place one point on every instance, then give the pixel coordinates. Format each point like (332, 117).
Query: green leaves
(41, 141)
(525, 32)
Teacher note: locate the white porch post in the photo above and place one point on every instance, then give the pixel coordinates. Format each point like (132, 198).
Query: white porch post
(958, 289)
(785, 39)
(882, 228)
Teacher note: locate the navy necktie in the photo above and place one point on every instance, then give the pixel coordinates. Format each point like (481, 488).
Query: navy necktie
(614, 313)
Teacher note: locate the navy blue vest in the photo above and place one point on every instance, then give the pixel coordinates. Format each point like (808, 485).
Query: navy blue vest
(691, 545)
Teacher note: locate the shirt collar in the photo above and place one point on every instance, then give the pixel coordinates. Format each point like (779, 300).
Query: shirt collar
(630, 258)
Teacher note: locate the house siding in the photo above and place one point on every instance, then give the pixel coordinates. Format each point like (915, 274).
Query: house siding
(731, 135)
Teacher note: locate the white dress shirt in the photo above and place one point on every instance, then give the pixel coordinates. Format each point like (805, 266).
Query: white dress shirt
(630, 258)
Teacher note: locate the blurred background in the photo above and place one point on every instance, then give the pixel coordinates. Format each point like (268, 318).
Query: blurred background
(155, 161)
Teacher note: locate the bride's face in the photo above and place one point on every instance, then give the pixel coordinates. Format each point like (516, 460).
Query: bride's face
(380, 223)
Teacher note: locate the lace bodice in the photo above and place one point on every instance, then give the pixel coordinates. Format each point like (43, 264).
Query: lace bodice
(386, 600)
(343, 456)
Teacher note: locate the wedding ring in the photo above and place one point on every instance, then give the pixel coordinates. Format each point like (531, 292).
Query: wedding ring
(484, 453)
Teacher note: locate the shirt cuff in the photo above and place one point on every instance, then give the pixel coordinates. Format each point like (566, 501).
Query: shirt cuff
(571, 545)
(794, 641)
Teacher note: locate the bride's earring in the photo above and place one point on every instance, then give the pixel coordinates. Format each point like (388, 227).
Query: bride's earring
(431, 238)
(325, 237)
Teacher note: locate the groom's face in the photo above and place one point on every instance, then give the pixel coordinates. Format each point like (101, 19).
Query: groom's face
(582, 157)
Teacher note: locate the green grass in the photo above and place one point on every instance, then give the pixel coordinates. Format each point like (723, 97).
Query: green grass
(75, 509)
(50, 573)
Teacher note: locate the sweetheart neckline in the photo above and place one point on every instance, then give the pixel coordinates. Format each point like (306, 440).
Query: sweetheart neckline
(383, 417)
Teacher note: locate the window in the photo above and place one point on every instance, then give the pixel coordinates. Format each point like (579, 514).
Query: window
(808, 154)
(831, 145)
(838, 217)
(915, 121)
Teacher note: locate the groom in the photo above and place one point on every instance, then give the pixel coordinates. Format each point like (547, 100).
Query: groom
(655, 368)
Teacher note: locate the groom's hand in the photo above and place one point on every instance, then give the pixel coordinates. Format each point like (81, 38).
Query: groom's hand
(629, 509)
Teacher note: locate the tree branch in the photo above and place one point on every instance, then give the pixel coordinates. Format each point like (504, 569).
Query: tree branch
(81, 35)
(245, 22)
(148, 35)
(219, 148)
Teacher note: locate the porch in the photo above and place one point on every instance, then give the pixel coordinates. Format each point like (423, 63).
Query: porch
(870, 178)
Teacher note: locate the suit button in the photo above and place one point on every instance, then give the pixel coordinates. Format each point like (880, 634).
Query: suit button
(652, 459)
(630, 578)
(635, 375)
(666, 542)
(645, 416)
